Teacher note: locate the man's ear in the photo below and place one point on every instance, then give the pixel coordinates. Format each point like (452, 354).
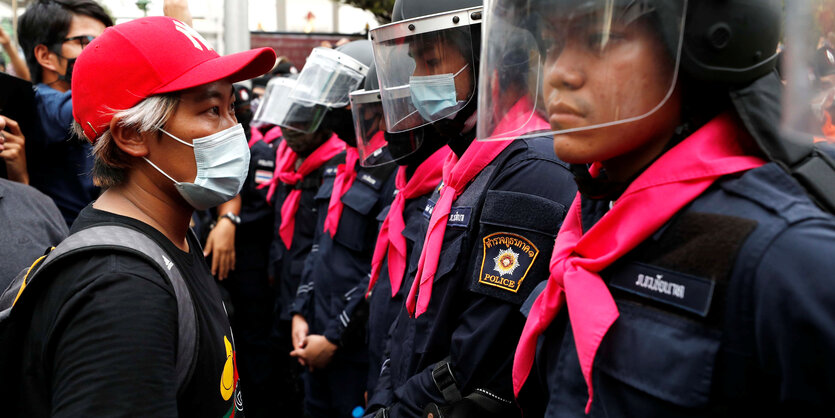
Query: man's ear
(128, 139)
(46, 58)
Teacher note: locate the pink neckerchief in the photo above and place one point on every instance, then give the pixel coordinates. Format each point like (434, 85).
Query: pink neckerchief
(522, 117)
(285, 172)
(345, 176)
(375, 143)
(390, 239)
(270, 136)
(456, 176)
(669, 184)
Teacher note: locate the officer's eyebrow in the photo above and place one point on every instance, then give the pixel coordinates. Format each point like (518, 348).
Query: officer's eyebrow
(419, 50)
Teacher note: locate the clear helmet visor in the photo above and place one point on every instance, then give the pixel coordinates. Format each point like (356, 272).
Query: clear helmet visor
(376, 146)
(328, 77)
(808, 68)
(561, 66)
(278, 108)
(270, 101)
(425, 67)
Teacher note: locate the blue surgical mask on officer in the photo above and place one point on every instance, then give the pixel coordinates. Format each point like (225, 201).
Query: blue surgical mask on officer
(222, 165)
(433, 94)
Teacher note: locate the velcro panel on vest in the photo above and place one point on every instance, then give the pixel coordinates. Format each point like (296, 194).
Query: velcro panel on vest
(514, 245)
(696, 246)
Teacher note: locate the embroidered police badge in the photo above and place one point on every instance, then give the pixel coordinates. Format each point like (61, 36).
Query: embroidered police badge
(506, 260)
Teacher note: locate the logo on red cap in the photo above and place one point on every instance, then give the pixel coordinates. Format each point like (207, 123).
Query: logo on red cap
(195, 37)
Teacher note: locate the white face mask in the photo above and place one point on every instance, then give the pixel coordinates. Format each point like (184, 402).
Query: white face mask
(222, 165)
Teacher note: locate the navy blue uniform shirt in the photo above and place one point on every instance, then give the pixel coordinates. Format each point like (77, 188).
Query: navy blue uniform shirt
(728, 310)
(255, 233)
(288, 263)
(331, 295)
(382, 307)
(337, 269)
(499, 235)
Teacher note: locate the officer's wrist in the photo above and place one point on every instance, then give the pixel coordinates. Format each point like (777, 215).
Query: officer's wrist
(333, 340)
(231, 217)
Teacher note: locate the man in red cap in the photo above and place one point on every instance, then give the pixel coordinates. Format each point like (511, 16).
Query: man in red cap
(157, 103)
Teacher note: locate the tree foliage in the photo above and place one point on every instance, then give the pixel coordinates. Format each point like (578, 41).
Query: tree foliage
(380, 8)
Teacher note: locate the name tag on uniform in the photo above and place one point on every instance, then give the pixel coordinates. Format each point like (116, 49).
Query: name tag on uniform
(371, 181)
(684, 291)
(263, 176)
(427, 210)
(459, 216)
(265, 163)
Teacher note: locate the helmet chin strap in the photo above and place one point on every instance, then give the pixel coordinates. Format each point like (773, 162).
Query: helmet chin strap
(456, 131)
(427, 147)
(600, 187)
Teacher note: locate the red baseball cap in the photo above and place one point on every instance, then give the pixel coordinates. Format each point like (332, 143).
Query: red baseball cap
(152, 55)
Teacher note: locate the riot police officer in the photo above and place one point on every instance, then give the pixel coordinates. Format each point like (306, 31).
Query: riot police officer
(303, 156)
(691, 276)
(326, 335)
(419, 154)
(485, 231)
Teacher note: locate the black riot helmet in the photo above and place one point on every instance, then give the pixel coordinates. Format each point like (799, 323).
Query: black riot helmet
(369, 123)
(359, 50)
(323, 85)
(411, 9)
(339, 119)
(731, 41)
(243, 106)
(427, 64)
(371, 82)
(720, 45)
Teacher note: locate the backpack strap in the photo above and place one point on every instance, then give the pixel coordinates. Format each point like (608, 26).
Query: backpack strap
(127, 240)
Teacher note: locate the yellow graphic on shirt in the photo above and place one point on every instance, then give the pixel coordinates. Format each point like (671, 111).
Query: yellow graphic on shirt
(227, 379)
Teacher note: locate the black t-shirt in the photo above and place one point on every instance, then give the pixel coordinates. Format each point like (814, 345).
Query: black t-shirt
(103, 338)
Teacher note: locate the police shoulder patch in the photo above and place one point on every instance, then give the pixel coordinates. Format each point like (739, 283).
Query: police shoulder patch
(506, 260)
